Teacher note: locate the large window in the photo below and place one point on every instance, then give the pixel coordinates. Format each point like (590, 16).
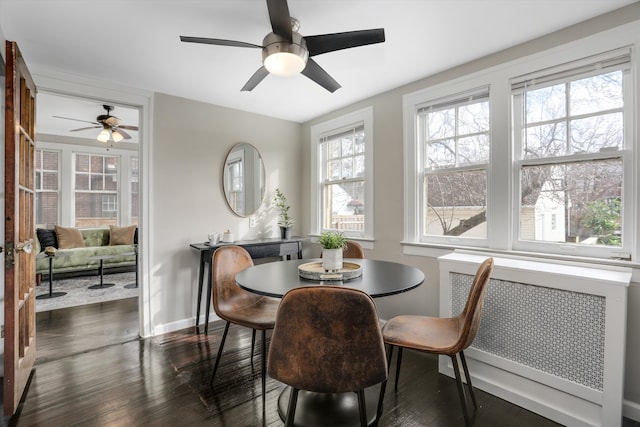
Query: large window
(454, 139)
(47, 188)
(571, 154)
(342, 152)
(542, 160)
(96, 190)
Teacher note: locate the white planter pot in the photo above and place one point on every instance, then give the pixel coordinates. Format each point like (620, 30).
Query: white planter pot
(332, 259)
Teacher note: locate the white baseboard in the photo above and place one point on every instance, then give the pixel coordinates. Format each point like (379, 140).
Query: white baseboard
(181, 324)
(631, 410)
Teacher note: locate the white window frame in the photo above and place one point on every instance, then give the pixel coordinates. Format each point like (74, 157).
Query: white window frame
(414, 165)
(363, 117)
(59, 171)
(424, 171)
(568, 72)
(501, 191)
(66, 199)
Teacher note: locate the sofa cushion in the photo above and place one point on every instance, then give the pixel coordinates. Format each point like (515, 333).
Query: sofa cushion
(69, 237)
(95, 236)
(47, 238)
(121, 235)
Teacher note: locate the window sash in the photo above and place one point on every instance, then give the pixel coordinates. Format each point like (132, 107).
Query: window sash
(456, 167)
(618, 60)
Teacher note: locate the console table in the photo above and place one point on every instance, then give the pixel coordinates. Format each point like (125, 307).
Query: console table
(260, 248)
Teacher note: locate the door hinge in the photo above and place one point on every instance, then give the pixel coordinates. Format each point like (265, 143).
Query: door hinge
(2, 331)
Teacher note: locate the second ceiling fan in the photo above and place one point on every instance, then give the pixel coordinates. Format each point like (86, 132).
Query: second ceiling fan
(286, 52)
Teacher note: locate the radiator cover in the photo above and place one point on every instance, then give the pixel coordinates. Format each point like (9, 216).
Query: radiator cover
(552, 336)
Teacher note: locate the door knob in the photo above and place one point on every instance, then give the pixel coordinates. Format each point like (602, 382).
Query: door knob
(25, 247)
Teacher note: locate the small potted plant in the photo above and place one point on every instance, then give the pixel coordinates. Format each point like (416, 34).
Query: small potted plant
(285, 221)
(333, 244)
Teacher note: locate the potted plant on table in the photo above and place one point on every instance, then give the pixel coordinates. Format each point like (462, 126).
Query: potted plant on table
(333, 244)
(285, 222)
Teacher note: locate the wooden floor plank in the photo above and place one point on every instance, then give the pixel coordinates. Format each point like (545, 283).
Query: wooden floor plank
(92, 370)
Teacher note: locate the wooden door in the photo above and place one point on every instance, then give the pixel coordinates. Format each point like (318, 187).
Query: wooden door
(19, 279)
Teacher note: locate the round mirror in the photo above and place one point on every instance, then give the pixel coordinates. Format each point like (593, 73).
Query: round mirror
(243, 179)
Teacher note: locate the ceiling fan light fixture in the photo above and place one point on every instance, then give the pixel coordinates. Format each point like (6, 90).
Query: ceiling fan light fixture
(117, 137)
(104, 135)
(283, 58)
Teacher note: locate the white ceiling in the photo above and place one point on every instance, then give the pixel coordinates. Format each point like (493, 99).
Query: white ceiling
(136, 43)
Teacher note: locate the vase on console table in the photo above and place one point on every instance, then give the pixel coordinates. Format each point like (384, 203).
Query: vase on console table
(285, 233)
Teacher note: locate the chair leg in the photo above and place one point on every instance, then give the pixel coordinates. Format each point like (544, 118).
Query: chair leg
(291, 409)
(398, 363)
(215, 367)
(253, 343)
(264, 368)
(383, 387)
(456, 370)
(362, 405)
(468, 377)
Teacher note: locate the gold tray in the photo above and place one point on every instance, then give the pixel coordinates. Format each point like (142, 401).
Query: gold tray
(314, 271)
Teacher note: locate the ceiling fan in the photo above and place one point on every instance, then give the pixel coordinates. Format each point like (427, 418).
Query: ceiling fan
(286, 52)
(111, 127)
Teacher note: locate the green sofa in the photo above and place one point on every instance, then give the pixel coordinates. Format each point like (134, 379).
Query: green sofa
(96, 241)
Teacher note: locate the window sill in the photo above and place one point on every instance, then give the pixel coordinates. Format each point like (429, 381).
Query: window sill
(436, 250)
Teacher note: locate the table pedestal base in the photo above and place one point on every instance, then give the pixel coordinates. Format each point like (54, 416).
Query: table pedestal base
(51, 295)
(325, 409)
(101, 285)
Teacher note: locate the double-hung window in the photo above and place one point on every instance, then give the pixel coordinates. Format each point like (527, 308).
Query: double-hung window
(47, 188)
(573, 165)
(342, 153)
(96, 190)
(454, 141)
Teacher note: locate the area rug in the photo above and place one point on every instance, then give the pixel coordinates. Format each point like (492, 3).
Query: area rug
(78, 292)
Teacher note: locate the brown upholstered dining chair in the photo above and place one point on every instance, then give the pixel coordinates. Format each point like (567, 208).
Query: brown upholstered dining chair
(446, 336)
(327, 340)
(237, 306)
(353, 250)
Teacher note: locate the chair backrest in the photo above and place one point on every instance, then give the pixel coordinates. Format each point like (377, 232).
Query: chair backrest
(353, 250)
(469, 319)
(227, 295)
(327, 339)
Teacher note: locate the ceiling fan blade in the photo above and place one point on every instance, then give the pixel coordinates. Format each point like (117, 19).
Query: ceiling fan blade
(87, 128)
(123, 133)
(219, 42)
(280, 18)
(257, 77)
(320, 76)
(129, 127)
(324, 43)
(77, 120)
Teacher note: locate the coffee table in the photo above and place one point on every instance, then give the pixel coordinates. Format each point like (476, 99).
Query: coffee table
(52, 294)
(101, 285)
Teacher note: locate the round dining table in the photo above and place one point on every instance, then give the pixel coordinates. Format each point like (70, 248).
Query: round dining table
(378, 279)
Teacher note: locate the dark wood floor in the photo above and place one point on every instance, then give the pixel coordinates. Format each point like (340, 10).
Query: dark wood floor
(92, 370)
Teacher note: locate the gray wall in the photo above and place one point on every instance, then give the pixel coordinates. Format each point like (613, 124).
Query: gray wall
(190, 143)
(388, 177)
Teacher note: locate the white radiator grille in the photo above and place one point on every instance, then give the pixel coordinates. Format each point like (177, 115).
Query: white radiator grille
(555, 331)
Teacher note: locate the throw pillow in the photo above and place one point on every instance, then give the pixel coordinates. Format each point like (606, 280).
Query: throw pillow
(69, 238)
(46, 238)
(121, 235)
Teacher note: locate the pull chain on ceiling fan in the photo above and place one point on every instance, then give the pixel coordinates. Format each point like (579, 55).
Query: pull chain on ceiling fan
(286, 52)
(111, 127)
